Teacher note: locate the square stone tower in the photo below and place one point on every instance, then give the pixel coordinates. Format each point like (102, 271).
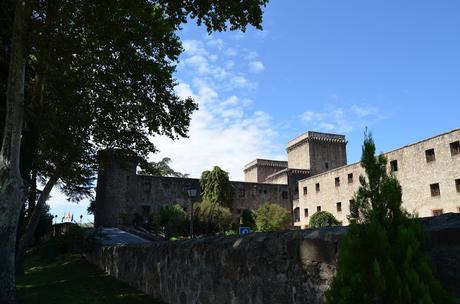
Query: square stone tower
(317, 152)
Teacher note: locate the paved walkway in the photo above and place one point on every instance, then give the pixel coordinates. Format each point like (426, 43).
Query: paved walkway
(115, 236)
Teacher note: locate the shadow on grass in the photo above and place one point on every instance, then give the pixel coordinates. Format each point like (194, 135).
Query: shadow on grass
(70, 279)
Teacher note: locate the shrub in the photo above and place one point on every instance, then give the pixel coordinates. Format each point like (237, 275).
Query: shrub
(323, 219)
(271, 217)
(174, 220)
(213, 218)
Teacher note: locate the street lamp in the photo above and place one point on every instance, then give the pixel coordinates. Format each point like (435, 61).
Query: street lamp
(191, 195)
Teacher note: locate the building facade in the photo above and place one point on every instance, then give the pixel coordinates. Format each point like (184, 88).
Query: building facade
(428, 171)
(315, 177)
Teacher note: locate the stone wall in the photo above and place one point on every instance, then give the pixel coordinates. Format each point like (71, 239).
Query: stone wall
(261, 268)
(414, 173)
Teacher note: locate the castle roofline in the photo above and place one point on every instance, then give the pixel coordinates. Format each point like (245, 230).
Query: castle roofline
(266, 162)
(288, 170)
(315, 136)
(384, 153)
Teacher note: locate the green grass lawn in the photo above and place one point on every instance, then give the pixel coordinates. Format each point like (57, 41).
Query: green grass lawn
(69, 279)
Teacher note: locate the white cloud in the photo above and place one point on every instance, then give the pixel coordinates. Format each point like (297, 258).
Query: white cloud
(225, 131)
(339, 120)
(256, 66)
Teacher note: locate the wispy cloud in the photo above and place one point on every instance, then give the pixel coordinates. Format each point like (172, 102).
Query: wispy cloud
(341, 120)
(256, 66)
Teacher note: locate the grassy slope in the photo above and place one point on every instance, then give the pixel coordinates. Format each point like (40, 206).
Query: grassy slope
(70, 279)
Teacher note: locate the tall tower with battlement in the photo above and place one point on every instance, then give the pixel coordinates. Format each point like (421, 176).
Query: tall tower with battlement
(317, 152)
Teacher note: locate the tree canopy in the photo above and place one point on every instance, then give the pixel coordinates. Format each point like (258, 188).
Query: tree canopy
(322, 219)
(90, 75)
(272, 217)
(381, 259)
(216, 187)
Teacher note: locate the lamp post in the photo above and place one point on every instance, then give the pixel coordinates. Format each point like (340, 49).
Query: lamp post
(191, 195)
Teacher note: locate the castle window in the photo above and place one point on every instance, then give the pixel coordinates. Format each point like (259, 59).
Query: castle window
(241, 192)
(337, 181)
(318, 208)
(296, 189)
(305, 212)
(305, 191)
(265, 191)
(430, 155)
(455, 148)
(350, 178)
(147, 187)
(435, 191)
(317, 187)
(284, 195)
(297, 214)
(260, 191)
(437, 212)
(339, 206)
(457, 184)
(326, 165)
(394, 165)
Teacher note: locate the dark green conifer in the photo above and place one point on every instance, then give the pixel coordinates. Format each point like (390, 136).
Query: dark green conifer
(382, 259)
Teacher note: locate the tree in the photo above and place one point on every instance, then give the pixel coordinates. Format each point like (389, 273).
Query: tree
(213, 218)
(381, 259)
(174, 220)
(216, 187)
(110, 42)
(272, 217)
(160, 168)
(323, 219)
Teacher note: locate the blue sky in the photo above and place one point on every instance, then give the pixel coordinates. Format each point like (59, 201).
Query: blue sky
(332, 66)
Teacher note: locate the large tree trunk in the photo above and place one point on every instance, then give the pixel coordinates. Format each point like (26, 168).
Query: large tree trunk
(27, 237)
(11, 185)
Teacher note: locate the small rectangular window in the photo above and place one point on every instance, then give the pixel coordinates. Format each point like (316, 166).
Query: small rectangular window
(326, 165)
(435, 191)
(242, 192)
(339, 206)
(305, 190)
(394, 165)
(430, 155)
(305, 211)
(317, 187)
(284, 195)
(337, 181)
(318, 208)
(437, 212)
(455, 148)
(350, 178)
(457, 184)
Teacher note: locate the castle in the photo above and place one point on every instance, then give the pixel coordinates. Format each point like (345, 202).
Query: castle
(315, 177)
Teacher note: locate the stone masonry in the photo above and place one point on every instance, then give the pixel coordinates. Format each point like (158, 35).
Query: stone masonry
(294, 267)
(428, 171)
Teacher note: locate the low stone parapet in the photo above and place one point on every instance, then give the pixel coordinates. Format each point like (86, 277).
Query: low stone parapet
(261, 268)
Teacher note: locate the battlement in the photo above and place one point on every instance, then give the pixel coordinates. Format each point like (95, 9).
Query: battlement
(267, 163)
(315, 136)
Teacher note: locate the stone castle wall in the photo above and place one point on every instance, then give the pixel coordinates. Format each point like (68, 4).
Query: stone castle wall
(261, 268)
(414, 172)
(121, 191)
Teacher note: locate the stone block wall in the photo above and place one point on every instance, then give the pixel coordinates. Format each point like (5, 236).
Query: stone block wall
(261, 268)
